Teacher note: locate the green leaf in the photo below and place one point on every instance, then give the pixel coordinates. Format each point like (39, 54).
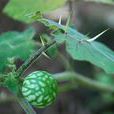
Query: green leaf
(94, 52)
(81, 49)
(20, 9)
(16, 44)
(51, 24)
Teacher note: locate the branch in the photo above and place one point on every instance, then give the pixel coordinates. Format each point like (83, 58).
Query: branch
(84, 81)
(33, 58)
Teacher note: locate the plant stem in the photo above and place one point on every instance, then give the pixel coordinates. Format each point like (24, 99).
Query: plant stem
(67, 87)
(84, 81)
(33, 58)
(26, 106)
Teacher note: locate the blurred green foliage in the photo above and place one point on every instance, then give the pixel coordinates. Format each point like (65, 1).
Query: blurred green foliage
(21, 9)
(17, 45)
(105, 78)
(109, 81)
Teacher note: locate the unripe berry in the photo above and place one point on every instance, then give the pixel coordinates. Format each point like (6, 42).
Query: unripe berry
(40, 89)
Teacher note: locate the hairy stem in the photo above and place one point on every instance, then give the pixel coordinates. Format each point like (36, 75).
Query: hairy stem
(84, 81)
(33, 58)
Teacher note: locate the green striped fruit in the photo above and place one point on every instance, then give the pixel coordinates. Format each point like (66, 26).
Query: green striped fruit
(40, 89)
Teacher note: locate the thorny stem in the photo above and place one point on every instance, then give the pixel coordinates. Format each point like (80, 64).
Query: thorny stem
(33, 58)
(24, 104)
